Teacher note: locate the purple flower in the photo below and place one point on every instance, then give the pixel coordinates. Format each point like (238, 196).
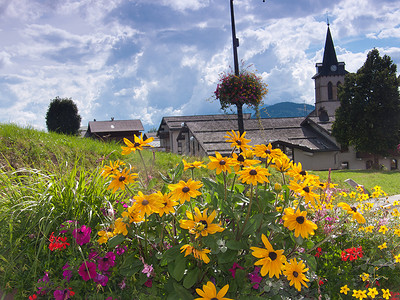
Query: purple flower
(101, 279)
(87, 271)
(122, 285)
(148, 269)
(92, 254)
(67, 274)
(106, 262)
(121, 250)
(255, 277)
(63, 294)
(234, 267)
(82, 235)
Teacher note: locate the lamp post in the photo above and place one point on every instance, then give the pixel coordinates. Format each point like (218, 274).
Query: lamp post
(235, 41)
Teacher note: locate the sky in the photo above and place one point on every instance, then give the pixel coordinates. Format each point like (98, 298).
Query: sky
(143, 59)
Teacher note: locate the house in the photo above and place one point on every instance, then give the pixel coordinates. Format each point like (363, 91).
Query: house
(304, 139)
(114, 129)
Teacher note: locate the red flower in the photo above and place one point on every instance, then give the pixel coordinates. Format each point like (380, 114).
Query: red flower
(57, 243)
(352, 253)
(33, 297)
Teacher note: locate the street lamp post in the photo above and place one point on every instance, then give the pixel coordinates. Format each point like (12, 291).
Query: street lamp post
(235, 41)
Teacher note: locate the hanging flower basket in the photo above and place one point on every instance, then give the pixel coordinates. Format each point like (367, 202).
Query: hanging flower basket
(247, 88)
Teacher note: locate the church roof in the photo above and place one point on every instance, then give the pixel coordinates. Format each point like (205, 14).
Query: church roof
(330, 65)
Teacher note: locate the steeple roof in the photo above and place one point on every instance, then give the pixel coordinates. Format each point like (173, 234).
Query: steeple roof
(330, 65)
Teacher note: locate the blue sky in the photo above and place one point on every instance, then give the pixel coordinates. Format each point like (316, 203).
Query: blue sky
(143, 59)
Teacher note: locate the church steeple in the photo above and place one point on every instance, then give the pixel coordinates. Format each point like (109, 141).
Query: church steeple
(330, 74)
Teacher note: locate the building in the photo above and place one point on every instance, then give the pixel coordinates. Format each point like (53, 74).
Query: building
(115, 130)
(307, 140)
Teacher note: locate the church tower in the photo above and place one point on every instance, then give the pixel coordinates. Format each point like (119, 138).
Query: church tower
(330, 74)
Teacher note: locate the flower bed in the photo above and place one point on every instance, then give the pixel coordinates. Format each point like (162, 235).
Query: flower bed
(237, 235)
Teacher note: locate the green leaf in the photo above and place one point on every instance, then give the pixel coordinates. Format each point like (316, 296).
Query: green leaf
(191, 278)
(115, 241)
(180, 266)
(236, 245)
(183, 293)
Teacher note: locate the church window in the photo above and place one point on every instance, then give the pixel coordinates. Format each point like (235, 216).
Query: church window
(330, 91)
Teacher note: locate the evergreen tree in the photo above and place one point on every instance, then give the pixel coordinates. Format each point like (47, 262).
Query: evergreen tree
(369, 114)
(62, 116)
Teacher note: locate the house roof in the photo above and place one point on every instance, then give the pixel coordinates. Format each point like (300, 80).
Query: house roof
(289, 131)
(176, 122)
(115, 126)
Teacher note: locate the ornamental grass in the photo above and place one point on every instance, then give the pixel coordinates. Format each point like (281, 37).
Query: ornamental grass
(239, 233)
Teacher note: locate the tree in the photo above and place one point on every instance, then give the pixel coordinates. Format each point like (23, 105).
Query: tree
(62, 116)
(369, 114)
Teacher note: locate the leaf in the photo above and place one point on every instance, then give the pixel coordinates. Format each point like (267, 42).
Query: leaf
(180, 266)
(236, 245)
(191, 278)
(183, 293)
(115, 241)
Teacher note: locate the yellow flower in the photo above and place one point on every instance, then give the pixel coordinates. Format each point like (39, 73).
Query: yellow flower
(221, 164)
(296, 171)
(279, 208)
(209, 292)
(364, 276)
(104, 236)
(395, 213)
(192, 165)
(282, 164)
(353, 212)
(183, 191)
(147, 204)
(295, 273)
(253, 175)
(298, 222)
(372, 292)
(201, 254)
(120, 227)
(369, 228)
(359, 294)
(271, 261)
(187, 248)
(329, 206)
(344, 289)
(305, 189)
(383, 246)
(120, 179)
(352, 195)
(138, 144)
(267, 152)
(133, 215)
(167, 203)
(201, 224)
(397, 258)
(241, 161)
(386, 293)
(112, 168)
(395, 202)
(237, 140)
(397, 232)
(383, 229)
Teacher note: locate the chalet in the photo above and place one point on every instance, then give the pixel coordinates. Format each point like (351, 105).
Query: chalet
(304, 139)
(114, 129)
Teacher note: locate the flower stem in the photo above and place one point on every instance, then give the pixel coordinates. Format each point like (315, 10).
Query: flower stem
(248, 213)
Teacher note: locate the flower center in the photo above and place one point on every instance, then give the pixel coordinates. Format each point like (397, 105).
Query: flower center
(253, 172)
(354, 209)
(214, 298)
(300, 219)
(240, 158)
(136, 144)
(121, 178)
(304, 173)
(268, 151)
(272, 255)
(185, 189)
(239, 142)
(222, 162)
(306, 189)
(295, 274)
(145, 202)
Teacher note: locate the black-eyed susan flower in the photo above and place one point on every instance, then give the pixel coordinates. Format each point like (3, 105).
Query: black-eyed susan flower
(344, 289)
(353, 212)
(294, 271)
(271, 260)
(305, 189)
(237, 140)
(209, 292)
(298, 222)
(201, 254)
(220, 163)
(104, 236)
(138, 144)
(253, 175)
(133, 215)
(296, 171)
(188, 249)
(183, 191)
(147, 204)
(241, 161)
(167, 203)
(282, 163)
(201, 223)
(192, 165)
(120, 179)
(267, 152)
(120, 227)
(112, 168)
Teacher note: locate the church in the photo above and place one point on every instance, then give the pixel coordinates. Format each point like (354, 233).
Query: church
(304, 139)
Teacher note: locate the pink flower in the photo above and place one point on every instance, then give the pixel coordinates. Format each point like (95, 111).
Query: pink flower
(87, 271)
(67, 274)
(255, 277)
(121, 250)
(106, 262)
(101, 279)
(148, 269)
(234, 267)
(63, 294)
(82, 235)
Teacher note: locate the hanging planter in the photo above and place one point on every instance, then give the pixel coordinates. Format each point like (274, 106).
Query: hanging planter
(246, 88)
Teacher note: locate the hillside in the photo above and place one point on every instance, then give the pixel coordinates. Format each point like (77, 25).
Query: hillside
(285, 110)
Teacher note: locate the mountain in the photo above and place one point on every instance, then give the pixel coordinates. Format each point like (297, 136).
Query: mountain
(284, 110)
